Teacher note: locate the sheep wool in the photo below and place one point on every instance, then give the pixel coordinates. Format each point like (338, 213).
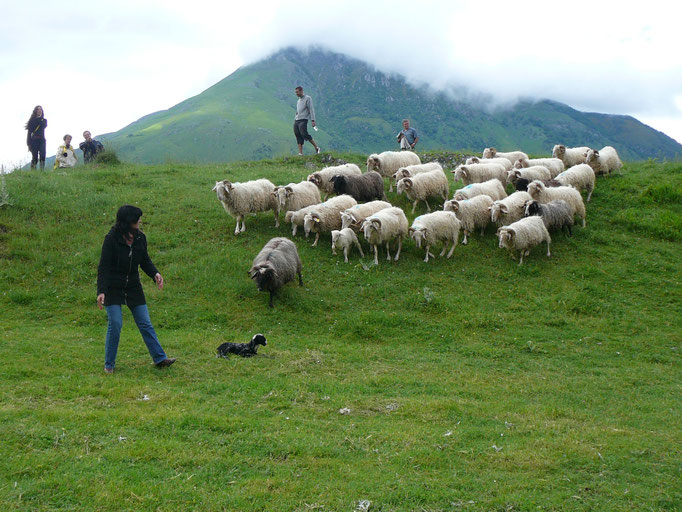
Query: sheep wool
(510, 209)
(512, 156)
(388, 162)
(580, 176)
(238, 199)
(523, 235)
(343, 240)
(492, 188)
(297, 217)
(325, 217)
(275, 265)
(411, 170)
(554, 165)
(536, 172)
(365, 187)
(322, 179)
(555, 214)
(504, 162)
(472, 213)
(355, 216)
(384, 227)
(424, 185)
(478, 173)
(604, 161)
(570, 156)
(432, 228)
(544, 194)
(295, 196)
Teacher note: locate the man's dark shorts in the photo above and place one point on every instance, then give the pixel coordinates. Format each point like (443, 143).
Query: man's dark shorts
(301, 131)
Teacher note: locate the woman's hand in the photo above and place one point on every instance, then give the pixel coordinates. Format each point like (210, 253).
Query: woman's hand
(159, 281)
(100, 300)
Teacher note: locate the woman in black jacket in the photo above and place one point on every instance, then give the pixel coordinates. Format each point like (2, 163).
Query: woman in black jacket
(118, 282)
(35, 139)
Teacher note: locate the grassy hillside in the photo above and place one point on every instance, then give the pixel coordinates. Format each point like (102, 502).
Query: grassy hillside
(472, 383)
(249, 115)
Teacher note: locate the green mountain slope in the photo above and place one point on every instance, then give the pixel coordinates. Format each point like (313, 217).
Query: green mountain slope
(249, 115)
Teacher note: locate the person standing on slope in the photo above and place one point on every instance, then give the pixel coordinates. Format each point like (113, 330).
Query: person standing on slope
(304, 111)
(408, 137)
(35, 139)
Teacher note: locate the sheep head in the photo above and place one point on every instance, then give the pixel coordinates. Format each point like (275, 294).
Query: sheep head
(263, 275)
(348, 220)
(559, 151)
(531, 208)
(513, 175)
(404, 184)
(368, 226)
(489, 152)
(418, 234)
(310, 221)
(373, 163)
(475, 160)
(288, 216)
(223, 189)
(451, 206)
(506, 236)
(315, 178)
(536, 187)
(522, 163)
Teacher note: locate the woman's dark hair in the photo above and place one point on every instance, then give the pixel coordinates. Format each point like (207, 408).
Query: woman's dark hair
(34, 114)
(125, 216)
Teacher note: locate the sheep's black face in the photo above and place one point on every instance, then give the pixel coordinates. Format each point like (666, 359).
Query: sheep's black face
(259, 339)
(339, 183)
(264, 278)
(533, 209)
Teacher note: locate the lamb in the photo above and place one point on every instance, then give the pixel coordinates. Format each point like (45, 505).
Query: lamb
(411, 170)
(296, 218)
(388, 162)
(275, 265)
(512, 156)
(492, 188)
(238, 199)
(537, 172)
(321, 178)
(424, 185)
(326, 216)
(580, 176)
(436, 227)
(249, 349)
(555, 214)
(478, 173)
(383, 227)
(502, 161)
(344, 239)
(570, 156)
(554, 165)
(506, 211)
(544, 194)
(365, 187)
(295, 196)
(523, 235)
(355, 216)
(604, 161)
(473, 213)
(522, 184)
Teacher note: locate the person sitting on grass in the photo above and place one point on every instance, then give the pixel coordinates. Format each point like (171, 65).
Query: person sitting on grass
(90, 147)
(65, 156)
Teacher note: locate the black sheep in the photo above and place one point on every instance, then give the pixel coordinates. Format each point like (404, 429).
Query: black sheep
(242, 349)
(522, 184)
(275, 265)
(363, 188)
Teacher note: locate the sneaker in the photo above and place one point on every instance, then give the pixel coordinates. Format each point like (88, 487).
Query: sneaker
(108, 370)
(318, 150)
(166, 362)
(300, 154)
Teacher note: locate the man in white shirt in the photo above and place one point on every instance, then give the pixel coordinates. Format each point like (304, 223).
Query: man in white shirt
(304, 111)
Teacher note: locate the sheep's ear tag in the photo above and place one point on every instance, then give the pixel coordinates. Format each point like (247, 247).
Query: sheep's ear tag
(316, 219)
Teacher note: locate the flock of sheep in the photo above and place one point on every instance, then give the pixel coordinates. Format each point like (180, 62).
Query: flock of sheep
(547, 197)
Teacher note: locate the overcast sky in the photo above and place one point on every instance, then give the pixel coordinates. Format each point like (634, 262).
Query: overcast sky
(102, 65)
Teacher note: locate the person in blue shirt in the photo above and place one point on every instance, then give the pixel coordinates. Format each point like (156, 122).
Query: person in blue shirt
(408, 137)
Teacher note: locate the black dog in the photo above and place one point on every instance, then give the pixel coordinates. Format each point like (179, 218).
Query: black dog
(242, 349)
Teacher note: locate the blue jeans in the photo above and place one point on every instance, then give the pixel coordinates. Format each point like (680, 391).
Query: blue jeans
(144, 324)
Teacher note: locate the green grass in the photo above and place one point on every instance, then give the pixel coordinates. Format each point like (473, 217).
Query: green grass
(568, 365)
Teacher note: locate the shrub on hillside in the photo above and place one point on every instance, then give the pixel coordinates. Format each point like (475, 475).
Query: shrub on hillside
(107, 157)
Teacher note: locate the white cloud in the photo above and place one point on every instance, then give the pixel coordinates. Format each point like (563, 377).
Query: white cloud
(103, 65)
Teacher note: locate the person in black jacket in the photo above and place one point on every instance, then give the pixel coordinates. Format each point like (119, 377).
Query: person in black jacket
(35, 138)
(118, 283)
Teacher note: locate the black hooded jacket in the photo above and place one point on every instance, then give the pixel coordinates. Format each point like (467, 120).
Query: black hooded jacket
(117, 275)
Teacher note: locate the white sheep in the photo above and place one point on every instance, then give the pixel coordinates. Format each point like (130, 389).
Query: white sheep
(604, 161)
(523, 235)
(510, 209)
(473, 213)
(554, 165)
(544, 194)
(536, 172)
(238, 199)
(297, 217)
(512, 156)
(325, 217)
(570, 156)
(424, 185)
(580, 176)
(411, 170)
(383, 227)
(435, 227)
(492, 188)
(344, 239)
(504, 162)
(389, 162)
(295, 196)
(355, 216)
(478, 173)
(322, 178)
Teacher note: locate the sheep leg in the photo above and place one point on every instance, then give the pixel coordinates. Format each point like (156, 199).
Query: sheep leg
(445, 247)
(333, 250)
(400, 246)
(388, 252)
(272, 294)
(276, 212)
(414, 205)
(376, 254)
(243, 224)
(521, 260)
(589, 195)
(466, 234)
(452, 248)
(300, 279)
(359, 248)
(426, 259)
(317, 237)
(236, 230)
(548, 253)
(583, 221)
(570, 232)
(428, 208)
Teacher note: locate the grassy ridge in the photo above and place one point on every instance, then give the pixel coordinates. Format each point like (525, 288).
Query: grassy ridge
(473, 384)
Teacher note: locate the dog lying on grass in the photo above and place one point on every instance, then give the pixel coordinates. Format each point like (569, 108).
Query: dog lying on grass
(242, 349)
